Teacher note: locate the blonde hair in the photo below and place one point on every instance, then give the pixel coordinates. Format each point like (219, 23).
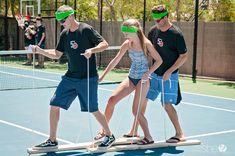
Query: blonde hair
(64, 8)
(136, 23)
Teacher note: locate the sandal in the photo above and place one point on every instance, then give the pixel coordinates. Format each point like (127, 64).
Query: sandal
(175, 140)
(145, 141)
(99, 136)
(130, 136)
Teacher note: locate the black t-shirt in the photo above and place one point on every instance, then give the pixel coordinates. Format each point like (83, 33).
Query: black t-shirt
(40, 31)
(169, 44)
(73, 44)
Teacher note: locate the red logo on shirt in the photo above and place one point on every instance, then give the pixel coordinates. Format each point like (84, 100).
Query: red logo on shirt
(73, 45)
(160, 42)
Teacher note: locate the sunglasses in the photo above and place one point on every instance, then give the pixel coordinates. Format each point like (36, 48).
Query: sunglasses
(63, 20)
(158, 20)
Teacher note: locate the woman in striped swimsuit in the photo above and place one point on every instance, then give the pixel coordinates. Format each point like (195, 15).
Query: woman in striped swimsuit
(140, 50)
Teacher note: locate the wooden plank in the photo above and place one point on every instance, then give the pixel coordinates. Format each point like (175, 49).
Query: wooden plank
(116, 148)
(68, 147)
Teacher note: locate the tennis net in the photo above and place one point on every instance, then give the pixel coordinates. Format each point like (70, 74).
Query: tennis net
(14, 75)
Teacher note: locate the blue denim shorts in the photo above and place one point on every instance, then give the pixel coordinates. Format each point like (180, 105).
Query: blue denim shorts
(170, 88)
(70, 88)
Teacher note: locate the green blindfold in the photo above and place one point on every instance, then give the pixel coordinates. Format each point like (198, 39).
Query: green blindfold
(159, 15)
(129, 29)
(62, 15)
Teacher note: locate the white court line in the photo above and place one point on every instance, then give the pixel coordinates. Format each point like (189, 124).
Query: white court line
(27, 76)
(223, 98)
(210, 107)
(31, 70)
(112, 90)
(65, 141)
(211, 134)
(187, 103)
(32, 131)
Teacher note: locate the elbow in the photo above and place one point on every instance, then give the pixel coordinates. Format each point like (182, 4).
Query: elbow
(160, 61)
(185, 56)
(105, 44)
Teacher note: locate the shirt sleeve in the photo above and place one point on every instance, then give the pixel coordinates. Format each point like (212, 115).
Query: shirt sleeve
(181, 46)
(94, 36)
(60, 44)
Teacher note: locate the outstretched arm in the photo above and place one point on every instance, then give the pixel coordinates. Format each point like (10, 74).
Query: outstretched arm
(115, 60)
(51, 53)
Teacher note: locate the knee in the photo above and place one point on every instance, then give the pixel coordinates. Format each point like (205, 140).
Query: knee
(168, 107)
(112, 101)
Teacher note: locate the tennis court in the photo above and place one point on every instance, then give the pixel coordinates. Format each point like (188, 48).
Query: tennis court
(24, 118)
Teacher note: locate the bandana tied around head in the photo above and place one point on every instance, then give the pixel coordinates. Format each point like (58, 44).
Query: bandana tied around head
(129, 29)
(63, 14)
(160, 15)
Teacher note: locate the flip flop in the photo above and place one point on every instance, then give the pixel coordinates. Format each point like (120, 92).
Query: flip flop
(145, 141)
(175, 140)
(99, 136)
(130, 136)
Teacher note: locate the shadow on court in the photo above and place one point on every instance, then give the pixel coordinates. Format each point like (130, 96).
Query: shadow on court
(149, 152)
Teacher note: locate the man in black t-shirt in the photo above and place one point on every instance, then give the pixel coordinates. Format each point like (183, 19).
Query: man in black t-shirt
(79, 42)
(169, 42)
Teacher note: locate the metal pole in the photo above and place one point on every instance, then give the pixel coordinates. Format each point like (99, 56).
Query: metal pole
(144, 17)
(101, 25)
(39, 7)
(55, 24)
(6, 26)
(75, 7)
(21, 7)
(194, 70)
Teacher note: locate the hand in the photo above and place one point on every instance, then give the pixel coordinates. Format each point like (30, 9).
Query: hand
(87, 53)
(145, 77)
(34, 48)
(166, 75)
(101, 78)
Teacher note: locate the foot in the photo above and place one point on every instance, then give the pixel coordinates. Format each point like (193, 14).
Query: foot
(130, 135)
(175, 139)
(39, 66)
(145, 141)
(99, 136)
(27, 63)
(47, 144)
(107, 142)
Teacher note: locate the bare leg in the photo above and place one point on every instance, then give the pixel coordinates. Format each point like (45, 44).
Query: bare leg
(103, 122)
(174, 119)
(54, 119)
(124, 89)
(41, 60)
(29, 57)
(143, 103)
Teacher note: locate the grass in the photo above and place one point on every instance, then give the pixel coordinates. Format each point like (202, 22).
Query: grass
(202, 86)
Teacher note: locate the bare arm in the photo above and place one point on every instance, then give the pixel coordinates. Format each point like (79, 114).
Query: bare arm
(51, 53)
(99, 48)
(115, 60)
(178, 63)
(156, 57)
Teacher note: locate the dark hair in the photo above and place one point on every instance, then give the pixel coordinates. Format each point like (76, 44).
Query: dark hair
(159, 9)
(39, 18)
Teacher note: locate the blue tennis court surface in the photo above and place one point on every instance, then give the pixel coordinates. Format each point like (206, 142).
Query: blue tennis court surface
(24, 120)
